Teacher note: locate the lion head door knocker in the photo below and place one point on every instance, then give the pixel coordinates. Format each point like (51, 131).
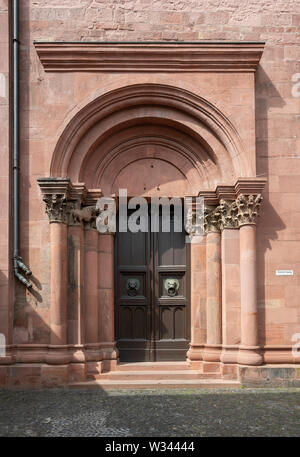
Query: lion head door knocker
(172, 286)
(132, 286)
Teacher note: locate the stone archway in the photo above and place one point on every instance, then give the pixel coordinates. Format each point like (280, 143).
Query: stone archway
(177, 144)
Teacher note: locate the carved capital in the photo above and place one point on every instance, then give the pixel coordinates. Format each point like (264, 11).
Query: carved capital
(228, 214)
(84, 216)
(194, 225)
(56, 207)
(248, 208)
(212, 219)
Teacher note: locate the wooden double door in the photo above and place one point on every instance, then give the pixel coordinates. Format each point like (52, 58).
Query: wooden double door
(152, 307)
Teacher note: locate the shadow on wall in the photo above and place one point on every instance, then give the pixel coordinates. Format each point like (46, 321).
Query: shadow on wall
(270, 223)
(29, 324)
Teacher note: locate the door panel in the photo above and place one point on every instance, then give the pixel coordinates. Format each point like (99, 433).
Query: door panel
(132, 296)
(172, 329)
(152, 303)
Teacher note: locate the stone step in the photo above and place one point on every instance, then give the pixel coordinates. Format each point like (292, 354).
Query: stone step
(152, 366)
(156, 375)
(155, 384)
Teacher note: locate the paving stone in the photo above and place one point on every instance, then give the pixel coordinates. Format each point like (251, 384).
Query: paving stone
(176, 412)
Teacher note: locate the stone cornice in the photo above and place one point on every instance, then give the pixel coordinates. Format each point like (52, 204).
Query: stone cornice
(68, 203)
(245, 186)
(51, 185)
(150, 56)
(55, 192)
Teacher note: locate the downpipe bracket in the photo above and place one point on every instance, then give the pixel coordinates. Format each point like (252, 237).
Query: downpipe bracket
(19, 265)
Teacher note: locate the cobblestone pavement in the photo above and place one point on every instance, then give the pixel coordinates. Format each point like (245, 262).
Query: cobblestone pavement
(245, 412)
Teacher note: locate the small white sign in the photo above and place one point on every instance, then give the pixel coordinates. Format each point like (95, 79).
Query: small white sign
(284, 272)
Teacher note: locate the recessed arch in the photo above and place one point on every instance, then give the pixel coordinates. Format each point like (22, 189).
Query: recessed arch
(187, 124)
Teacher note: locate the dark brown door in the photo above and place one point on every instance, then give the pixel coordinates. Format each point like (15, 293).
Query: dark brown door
(152, 315)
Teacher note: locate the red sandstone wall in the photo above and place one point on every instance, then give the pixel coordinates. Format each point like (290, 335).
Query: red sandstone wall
(5, 251)
(277, 127)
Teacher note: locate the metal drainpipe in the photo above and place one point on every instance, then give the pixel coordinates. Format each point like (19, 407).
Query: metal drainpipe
(18, 263)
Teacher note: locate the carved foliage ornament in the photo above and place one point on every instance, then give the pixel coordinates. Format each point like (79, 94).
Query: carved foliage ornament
(56, 207)
(248, 208)
(212, 219)
(232, 214)
(228, 214)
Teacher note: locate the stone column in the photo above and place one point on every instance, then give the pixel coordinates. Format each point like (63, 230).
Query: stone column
(198, 300)
(213, 286)
(75, 311)
(197, 242)
(230, 283)
(91, 285)
(56, 208)
(75, 284)
(106, 298)
(83, 250)
(55, 193)
(248, 207)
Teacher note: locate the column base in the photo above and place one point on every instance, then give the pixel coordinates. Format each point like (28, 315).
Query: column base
(249, 355)
(93, 352)
(110, 351)
(195, 352)
(229, 354)
(212, 352)
(58, 355)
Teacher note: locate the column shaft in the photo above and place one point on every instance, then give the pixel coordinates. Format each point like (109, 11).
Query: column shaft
(212, 348)
(75, 284)
(198, 298)
(248, 285)
(214, 288)
(231, 295)
(58, 306)
(91, 286)
(106, 291)
(249, 349)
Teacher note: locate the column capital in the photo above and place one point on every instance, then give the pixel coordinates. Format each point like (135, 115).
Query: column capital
(55, 192)
(248, 208)
(194, 225)
(56, 207)
(83, 216)
(228, 211)
(212, 219)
